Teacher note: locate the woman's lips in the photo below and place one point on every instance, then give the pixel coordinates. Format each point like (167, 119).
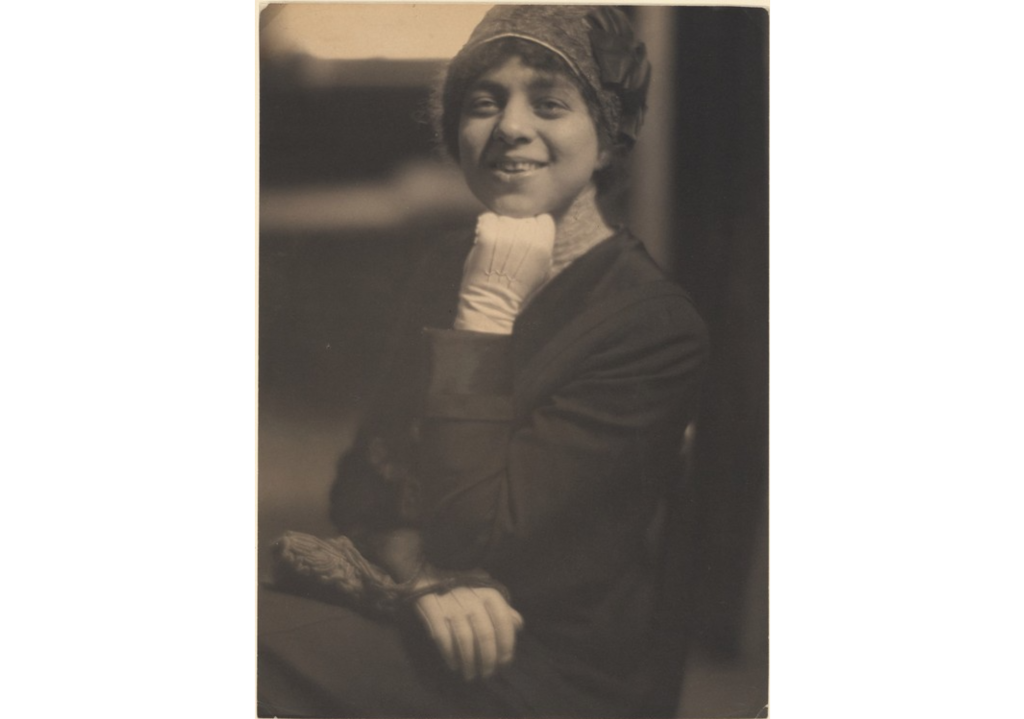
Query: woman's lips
(515, 168)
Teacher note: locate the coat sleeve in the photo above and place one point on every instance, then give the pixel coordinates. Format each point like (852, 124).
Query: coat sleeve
(375, 489)
(491, 481)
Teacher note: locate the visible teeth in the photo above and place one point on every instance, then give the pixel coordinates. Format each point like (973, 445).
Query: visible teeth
(516, 165)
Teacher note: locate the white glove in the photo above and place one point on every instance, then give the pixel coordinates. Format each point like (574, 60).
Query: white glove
(509, 262)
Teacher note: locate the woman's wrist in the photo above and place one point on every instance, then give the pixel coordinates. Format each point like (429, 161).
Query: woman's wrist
(492, 320)
(431, 580)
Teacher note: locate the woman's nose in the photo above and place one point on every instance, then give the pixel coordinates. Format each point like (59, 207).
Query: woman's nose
(515, 124)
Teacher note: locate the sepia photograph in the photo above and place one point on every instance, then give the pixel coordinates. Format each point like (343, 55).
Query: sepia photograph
(513, 361)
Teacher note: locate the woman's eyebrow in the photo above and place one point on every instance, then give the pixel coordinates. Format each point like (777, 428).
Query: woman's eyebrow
(547, 83)
(540, 83)
(484, 85)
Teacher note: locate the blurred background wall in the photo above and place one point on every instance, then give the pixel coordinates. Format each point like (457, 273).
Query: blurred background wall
(352, 192)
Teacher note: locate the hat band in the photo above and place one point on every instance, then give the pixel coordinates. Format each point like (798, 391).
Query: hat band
(568, 60)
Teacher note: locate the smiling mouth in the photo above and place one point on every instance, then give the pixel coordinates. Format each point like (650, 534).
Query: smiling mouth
(516, 167)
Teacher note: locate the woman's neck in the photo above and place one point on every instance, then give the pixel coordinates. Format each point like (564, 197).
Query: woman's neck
(578, 228)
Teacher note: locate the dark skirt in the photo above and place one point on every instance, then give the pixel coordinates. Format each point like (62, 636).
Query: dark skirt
(323, 660)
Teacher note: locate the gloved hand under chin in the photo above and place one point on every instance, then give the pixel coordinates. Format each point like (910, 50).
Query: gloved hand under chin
(509, 262)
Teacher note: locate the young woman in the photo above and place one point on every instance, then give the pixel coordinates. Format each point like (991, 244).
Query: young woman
(528, 423)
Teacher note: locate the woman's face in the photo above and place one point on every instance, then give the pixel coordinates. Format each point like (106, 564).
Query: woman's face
(527, 143)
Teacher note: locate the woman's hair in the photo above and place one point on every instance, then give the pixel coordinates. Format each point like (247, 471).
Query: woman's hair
(594, 48)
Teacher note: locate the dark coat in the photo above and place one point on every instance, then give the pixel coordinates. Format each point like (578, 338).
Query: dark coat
(541, 456)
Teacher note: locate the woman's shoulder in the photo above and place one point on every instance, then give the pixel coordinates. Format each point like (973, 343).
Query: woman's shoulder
(637, 303)
(634, 273)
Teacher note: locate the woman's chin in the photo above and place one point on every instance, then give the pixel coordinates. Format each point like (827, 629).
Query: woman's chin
(516, 207)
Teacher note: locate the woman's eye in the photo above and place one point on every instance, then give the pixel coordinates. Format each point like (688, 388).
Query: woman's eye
(551, 107)
(481, 105)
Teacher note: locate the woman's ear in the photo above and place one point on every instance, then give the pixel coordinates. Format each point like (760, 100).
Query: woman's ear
(604, 158)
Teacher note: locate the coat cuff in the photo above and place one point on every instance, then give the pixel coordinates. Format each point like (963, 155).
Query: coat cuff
(470, 375)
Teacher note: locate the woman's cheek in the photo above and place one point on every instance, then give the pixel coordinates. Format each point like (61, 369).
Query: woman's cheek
(473, 136)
